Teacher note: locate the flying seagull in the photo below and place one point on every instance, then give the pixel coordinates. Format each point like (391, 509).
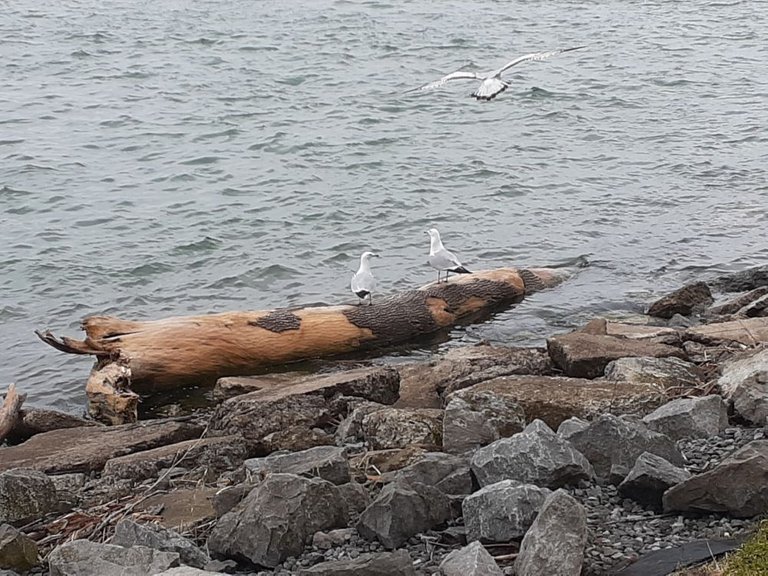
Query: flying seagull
(363, 283)
(491, 84)
(441, 259)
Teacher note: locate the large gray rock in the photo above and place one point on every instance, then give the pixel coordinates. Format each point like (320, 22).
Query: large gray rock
(25, 495)
(17, 551)
(582, 355)
(68, 488)
(737, 486)
(664, 373)
(610, 441)
(554, 544)
(649, 478)
(401, 427)
(738, 304)
(472, 560)
(700, 417)
(277, 518)
(86, 558)
(397, 563)
(569, 427)
(744, 280)
(686, 300)
(129, 533)
(401, 511)
(38, 420)
(502, 511)
(355, 497)
(326, 462)
(448, 473)
(535, 456)
(744, 383)
(350, 430)
(475, 418)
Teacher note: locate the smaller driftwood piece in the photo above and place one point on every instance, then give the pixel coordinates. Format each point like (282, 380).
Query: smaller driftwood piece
(9, 412)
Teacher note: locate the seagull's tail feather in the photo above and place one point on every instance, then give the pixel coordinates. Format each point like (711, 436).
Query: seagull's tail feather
(460, 270)
(490, 88)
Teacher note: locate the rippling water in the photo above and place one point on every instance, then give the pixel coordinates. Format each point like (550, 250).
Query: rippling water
(163, 158)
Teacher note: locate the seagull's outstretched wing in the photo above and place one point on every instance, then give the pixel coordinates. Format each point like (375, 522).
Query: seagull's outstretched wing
(452, 76)
(534, 56)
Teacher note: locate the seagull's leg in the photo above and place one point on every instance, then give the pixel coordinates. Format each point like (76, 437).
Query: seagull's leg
(438, 276)
(446, 275)
(370, 299)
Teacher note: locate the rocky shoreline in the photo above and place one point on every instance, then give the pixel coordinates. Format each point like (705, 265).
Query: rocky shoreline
(616, 441)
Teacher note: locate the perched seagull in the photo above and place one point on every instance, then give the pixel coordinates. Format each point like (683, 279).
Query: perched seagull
(491, 84)
(363, 283)
(441, 259)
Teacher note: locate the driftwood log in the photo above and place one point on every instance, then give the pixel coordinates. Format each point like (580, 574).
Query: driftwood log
(9, 412)
(163, 354)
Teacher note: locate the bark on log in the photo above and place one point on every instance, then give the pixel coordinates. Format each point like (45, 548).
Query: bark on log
(163, 354)
(9, 413)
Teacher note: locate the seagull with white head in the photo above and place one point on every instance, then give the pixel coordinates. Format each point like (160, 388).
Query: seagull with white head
(491, 84)
(363, 283)
(441, 259)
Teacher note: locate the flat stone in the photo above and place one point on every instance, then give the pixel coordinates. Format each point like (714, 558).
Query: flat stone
(181, 508)
(326, 462)
(742, 281)
(17, 551)
(397, 563)
(475, 418)
(700, 417)
(277, 519)
(582, 355)
(735, 305)
(554, 399)
(129, 534)
(293, 439)
(38, 420)
(635, 331)
(215, 454)
(86, 558)
(87, 449)
(502, 511)
(308, 402)
(401, 427)
(425, 384)
(25, 495)
(401, 511)
(534, 456)
(649, 478)
(686, 300)
(738, 486)
(665, 373)
(749, 332)
(610, 440)
(554, 545)
(231, 386)
(472, 560)
(376, 462)
(744, 383)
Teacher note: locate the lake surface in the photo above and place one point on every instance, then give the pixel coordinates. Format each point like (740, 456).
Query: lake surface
(170, 158)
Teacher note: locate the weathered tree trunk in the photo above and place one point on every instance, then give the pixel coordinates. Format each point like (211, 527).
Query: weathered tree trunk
(9, 413)
(162, 354)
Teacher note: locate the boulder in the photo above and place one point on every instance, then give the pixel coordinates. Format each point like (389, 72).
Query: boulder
(86, 558)
(472, 560)
(569, 427)
(37, 420)
(293, 439)
(581, 355)
(401, 427)
(744, 383)
(534, 456)
(503, 511)
(448, 473)
(307, 402)
(749, 332)
(25, 495)
(350, 429)
(554, 399)
(326, 462)
(475, 418)
(742, 281)
(554, 545)
(397, 563)
(215, 454)
(17, 551)
(665, 373)
(401, 511)
(68, 489)
(129, 534)
(230, 496)
(686, 300)
(649, 478)
(425, 384)
(87, 449)
(610, 440)
(700, 417)
(355, 497)
(737, 486)
(736, 305)
(277, 519)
